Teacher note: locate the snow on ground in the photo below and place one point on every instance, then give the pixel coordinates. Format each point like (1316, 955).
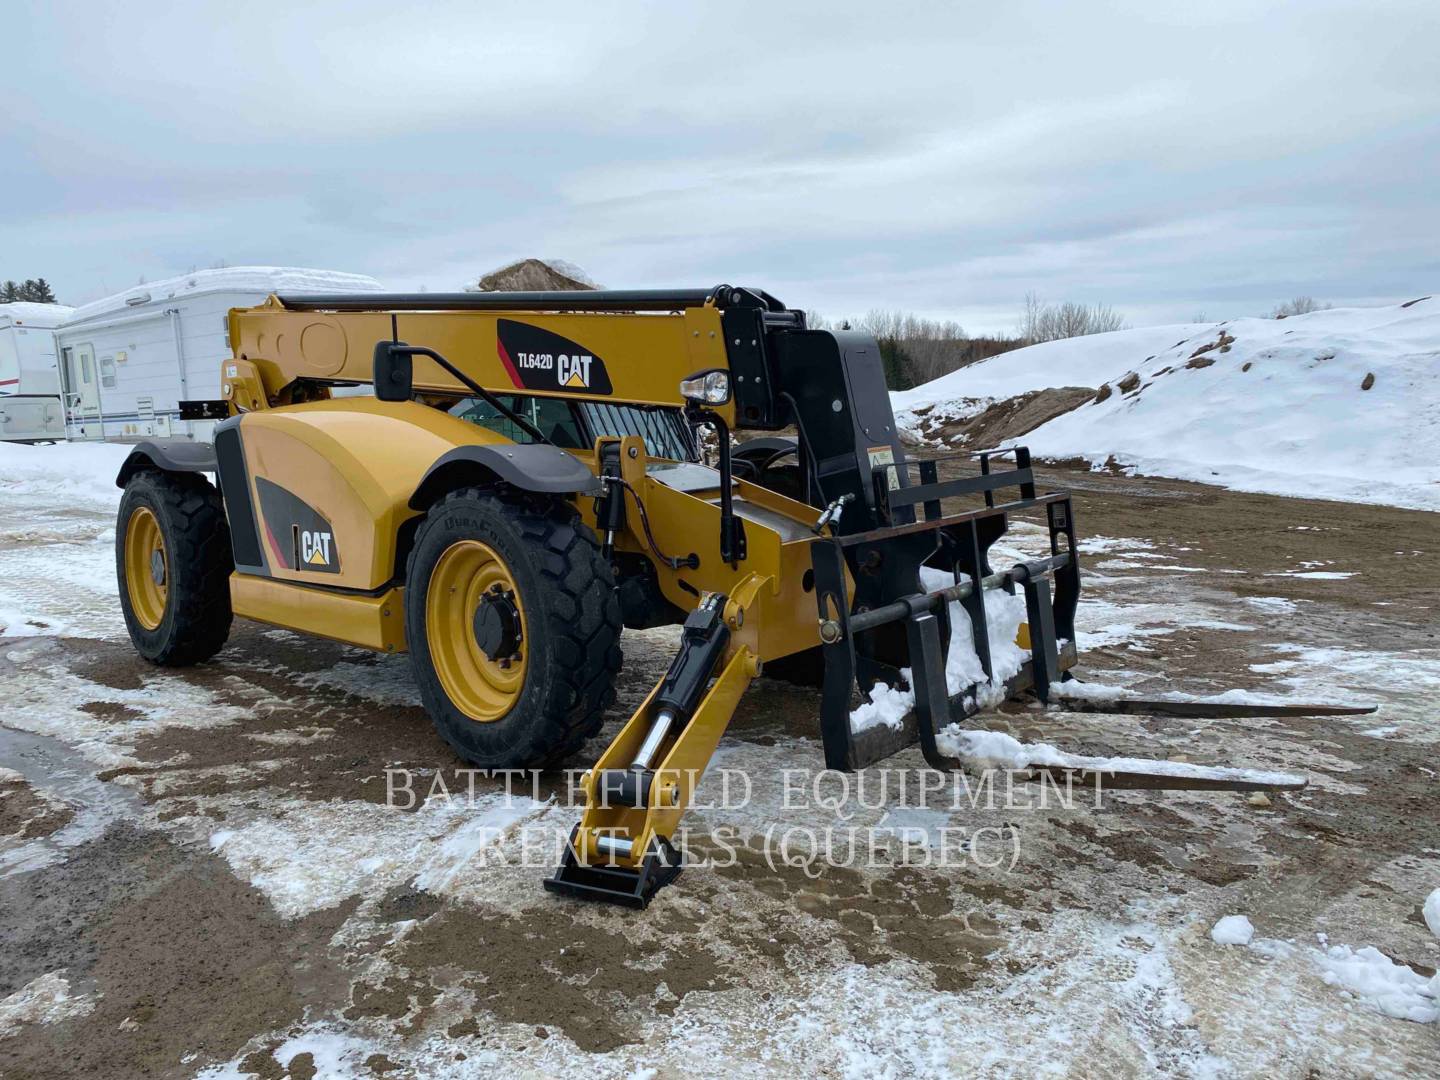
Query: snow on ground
(1136, 983)
(58, 474)
(57, 539)
(306, 857)
(1337, 404)
(46, 1000)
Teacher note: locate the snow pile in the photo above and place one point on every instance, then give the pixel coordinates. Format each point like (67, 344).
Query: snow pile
(1372, 977)
(1083, 361)
(63, 472)
(1431, 912)
(1003, 613)
(262, 280)
(1337, 404)
(1232, 930)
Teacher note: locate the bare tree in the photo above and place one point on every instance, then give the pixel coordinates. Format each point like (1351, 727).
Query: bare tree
(932, 347)
(1052, 322)
(1301, 305)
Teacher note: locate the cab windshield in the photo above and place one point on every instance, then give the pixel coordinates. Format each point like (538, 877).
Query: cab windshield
(575, 425)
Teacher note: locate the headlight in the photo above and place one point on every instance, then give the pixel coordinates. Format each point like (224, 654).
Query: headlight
(707, 387)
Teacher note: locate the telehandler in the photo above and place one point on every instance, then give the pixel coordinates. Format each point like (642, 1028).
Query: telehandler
(526, 478)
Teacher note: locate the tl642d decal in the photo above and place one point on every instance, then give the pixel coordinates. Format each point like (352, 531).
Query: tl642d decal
(537, 359)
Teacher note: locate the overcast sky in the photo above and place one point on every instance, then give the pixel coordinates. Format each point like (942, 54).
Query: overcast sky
(1210, 158)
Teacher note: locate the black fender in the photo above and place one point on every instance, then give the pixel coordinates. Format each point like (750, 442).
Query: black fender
(168, 455)
(528, 466)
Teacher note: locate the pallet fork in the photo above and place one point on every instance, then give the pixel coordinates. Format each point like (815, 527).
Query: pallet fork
(874, 619)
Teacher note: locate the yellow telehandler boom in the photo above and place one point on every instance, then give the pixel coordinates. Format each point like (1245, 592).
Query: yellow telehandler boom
(496, 483)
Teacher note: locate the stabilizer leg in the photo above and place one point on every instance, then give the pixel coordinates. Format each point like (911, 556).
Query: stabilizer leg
(644, 781)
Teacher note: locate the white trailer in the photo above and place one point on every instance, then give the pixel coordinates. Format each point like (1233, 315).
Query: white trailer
(30, 406)
(126, 362)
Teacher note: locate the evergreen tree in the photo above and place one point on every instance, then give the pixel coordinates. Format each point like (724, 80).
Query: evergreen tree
(32, 290)
(37, 291)
(896, 364)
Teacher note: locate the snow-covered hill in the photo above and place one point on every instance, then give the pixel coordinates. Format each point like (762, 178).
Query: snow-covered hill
(1337, 404)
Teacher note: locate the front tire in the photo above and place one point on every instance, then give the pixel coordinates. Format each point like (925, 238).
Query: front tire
(173, 561)
(513, 627)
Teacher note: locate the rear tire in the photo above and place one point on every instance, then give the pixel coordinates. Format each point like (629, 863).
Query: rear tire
(175, 583)
(559, 631)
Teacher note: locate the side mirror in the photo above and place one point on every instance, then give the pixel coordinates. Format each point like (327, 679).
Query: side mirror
(394, 371)
(710, 387)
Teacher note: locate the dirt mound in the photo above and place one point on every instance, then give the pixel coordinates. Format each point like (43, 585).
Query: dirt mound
(1012, 417)
(528, 275)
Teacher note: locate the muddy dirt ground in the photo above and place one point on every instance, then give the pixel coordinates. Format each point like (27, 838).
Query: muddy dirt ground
(201, 872)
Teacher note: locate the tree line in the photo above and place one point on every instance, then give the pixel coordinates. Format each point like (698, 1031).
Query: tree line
(915, 350)
(33, 290)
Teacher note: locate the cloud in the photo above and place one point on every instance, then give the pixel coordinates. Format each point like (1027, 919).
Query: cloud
(942, 158)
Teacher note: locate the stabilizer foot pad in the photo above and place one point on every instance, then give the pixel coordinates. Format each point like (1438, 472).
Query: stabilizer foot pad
(621, 885)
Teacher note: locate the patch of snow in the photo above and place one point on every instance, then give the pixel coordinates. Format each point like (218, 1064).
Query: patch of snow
(336, 1054)
(1102, 545)
(1374, 979)
(45, 1000)
(1232, 930)
(63, 472)
(307, 856)
(1277, 604)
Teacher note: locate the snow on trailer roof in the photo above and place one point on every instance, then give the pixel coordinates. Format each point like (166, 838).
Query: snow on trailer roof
(256, 279)
(44, 316)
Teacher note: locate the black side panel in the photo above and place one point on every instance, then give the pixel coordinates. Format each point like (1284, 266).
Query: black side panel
(235, 486)
(172, 455)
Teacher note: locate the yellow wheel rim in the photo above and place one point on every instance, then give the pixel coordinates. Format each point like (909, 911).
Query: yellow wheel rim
(482, 684)
(147, 568)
